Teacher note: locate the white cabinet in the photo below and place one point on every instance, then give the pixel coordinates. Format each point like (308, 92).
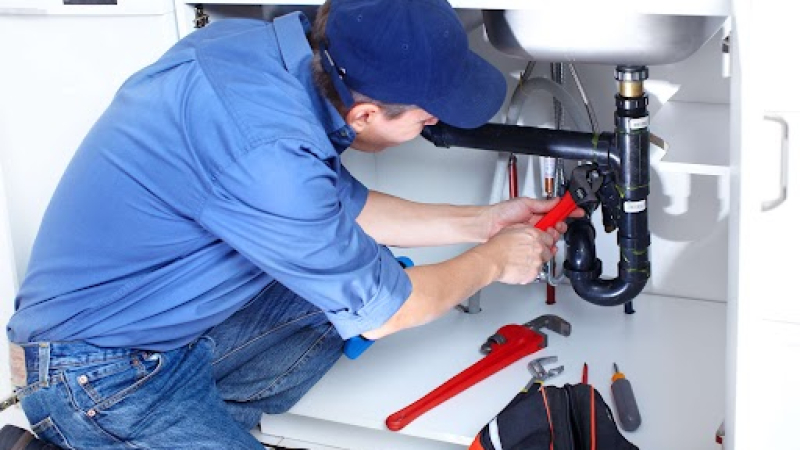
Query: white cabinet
(764, 326)
(8, 286)
(62, 65)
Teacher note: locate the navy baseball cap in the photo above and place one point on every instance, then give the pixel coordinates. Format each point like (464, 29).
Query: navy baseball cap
(412, 52)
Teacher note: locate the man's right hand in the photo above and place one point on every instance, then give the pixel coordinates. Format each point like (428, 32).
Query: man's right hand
(514, 256)
(518, 252)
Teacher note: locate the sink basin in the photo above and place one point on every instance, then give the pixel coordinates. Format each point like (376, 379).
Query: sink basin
(607, 37)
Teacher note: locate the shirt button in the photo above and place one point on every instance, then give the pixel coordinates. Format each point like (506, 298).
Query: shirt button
(83, 379)
(91, 413)
(343, 133)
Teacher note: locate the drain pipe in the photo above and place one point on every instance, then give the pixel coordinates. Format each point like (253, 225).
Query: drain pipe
(622, 156)
(524, 140)
(631, 166)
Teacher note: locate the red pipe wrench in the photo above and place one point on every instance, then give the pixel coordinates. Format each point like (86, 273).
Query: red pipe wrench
(581, 191)
(509, 344)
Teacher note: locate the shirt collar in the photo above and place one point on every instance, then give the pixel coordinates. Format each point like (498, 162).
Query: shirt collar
(291, 31)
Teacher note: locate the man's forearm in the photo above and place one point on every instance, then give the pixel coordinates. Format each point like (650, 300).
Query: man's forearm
(437, 288)
(397, 222)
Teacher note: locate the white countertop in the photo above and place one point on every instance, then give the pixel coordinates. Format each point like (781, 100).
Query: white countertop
(672, 351)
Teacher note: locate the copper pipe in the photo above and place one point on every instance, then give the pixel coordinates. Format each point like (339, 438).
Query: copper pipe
(513, 189)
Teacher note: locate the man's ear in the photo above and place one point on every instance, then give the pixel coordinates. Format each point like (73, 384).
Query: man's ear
(361, 116)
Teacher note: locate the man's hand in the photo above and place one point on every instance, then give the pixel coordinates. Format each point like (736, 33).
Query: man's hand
(513, 256)
(518, 251)
(512, 251)
(521, 210)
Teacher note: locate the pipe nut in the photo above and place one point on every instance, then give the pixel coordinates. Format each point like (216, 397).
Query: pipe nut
(632, 103)
(631, 73)
(584, 275)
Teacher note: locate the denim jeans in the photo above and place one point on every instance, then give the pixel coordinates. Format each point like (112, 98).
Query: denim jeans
(207, 395)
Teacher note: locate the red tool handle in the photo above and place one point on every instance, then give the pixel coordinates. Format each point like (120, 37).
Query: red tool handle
(520, 342)
(563, 208)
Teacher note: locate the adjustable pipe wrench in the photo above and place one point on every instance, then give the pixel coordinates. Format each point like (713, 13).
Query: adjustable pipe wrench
(509, 344)
(581, 192)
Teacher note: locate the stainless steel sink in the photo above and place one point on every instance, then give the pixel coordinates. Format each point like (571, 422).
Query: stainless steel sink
(608, 37)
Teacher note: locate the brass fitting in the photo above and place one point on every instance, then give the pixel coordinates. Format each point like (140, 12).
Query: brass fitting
(631, 80)
(631, 89)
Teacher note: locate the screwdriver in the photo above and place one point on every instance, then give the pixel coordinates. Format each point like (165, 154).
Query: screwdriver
(627, 410)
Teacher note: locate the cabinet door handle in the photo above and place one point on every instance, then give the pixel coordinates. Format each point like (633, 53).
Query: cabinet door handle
(774, 203)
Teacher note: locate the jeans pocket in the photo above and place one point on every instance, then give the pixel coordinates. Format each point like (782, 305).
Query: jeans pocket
(48, 430)
(99, 387)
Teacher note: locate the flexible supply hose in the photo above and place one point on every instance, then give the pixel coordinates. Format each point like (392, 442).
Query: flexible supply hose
(571, 106)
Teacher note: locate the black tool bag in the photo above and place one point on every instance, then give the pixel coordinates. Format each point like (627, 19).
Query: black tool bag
(572, 417)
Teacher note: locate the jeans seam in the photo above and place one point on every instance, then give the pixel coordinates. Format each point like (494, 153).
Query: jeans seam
(260, 336)
(39, 427)
(89, 362)
(88, 387)
(32, 388)
(302, 359)
(61, 378)
(109, 435)
(119, 396)
(94, 424)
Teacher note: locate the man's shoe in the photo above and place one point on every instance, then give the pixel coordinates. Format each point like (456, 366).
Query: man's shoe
(15, 438)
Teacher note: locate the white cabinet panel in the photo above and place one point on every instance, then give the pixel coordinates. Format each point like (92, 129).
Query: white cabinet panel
(8, 287)
(763, 326)
(779, 191)
(59, 7)
(54, 88)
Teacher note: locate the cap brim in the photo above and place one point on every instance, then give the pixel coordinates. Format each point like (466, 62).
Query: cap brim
(473, 99)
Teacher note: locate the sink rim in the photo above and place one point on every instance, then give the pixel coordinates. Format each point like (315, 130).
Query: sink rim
(640, 39)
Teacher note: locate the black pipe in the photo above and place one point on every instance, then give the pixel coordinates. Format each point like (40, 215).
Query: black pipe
(623, 156)
(525, 141)
(631, 164)
(583, 268)
(583, 258)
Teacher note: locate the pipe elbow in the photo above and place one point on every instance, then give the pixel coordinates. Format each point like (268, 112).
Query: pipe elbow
(608, 292)
(584, 269)
(580, 238)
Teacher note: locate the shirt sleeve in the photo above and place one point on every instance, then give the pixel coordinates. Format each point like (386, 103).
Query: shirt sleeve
(352, 193)
(291, 209)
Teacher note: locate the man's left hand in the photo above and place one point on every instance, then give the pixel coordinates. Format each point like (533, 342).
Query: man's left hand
(522, 210)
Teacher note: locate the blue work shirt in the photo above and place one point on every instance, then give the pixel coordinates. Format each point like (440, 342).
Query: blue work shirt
(213, 172)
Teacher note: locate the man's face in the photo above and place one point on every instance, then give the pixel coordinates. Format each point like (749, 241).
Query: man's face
(382, 132)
